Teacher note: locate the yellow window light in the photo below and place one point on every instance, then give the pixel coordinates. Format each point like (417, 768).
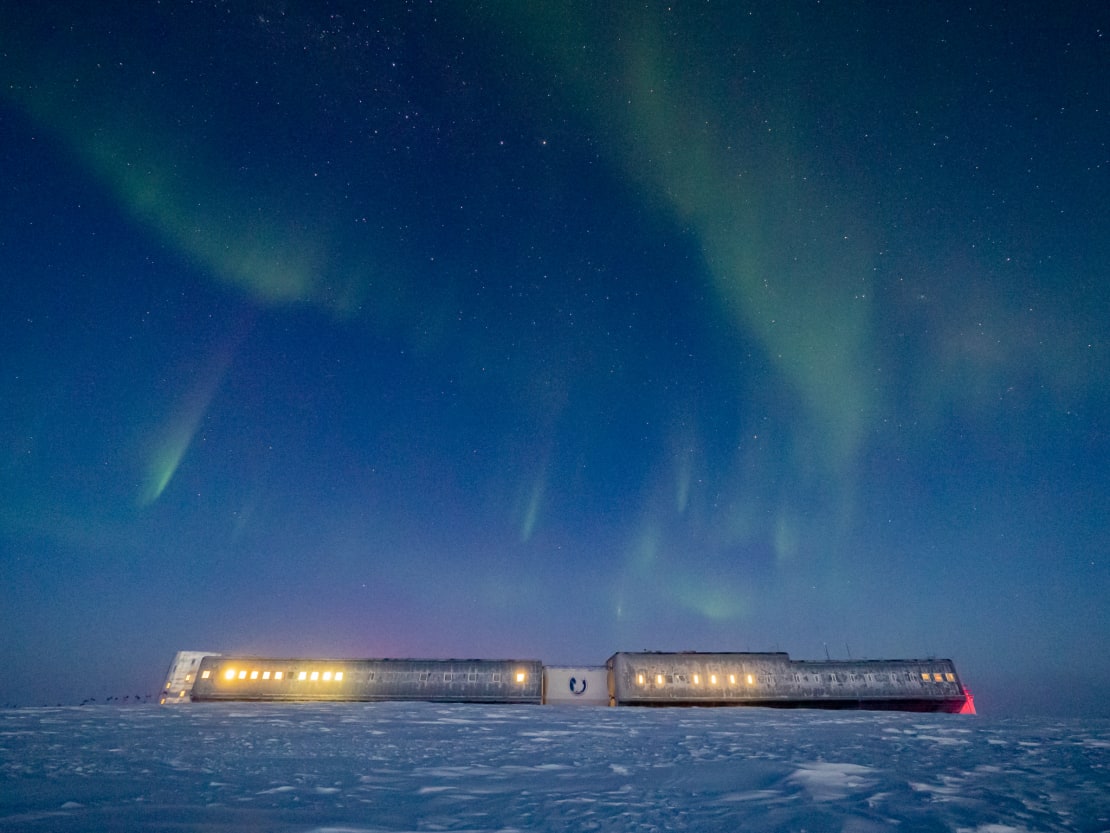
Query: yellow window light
(315, 675)
(168, 684)
(925, 676)
(639, 679)
(254, 675)
(732, 679)
(339, 676)
(751, 680)
(229, 674)
(206, 674)
(265, 675)
(521, 676)
(659, 679)
(937, 678)
(182, 694)
(278, 675)
(243, 674)
(950, 677)
(327, 676)
(303, 675)
(188, 678)
(713, 679)
(697, 680)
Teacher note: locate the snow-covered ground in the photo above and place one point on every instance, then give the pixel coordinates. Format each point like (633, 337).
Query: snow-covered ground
(427, 767)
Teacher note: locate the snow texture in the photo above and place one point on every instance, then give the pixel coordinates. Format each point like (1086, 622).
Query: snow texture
(363, 768)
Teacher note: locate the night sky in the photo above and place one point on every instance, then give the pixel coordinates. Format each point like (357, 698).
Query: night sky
(549, 330)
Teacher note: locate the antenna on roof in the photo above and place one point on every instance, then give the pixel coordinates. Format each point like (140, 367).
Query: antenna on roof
(827, 651)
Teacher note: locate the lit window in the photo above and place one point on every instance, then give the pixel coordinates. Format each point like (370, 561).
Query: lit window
(303, 675)
(265, 675)
(950, 677)
(732, 679)
(751, 680)
(205, 674)
(168, 684)
(230, 674)
(521, 676)
(315, 675)
(713, 679)
(937, 678)
(697, 680)
(327, 676)
(188, 678)
(182, 694)
(339, 676)
(659, 679)
(254, 675)
(639, 679)
(278, 675)
(925, 676)
(243, 674)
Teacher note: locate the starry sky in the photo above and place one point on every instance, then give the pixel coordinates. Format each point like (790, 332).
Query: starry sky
(555, 329)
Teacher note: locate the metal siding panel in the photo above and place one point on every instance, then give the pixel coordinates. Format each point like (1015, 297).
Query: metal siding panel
(491, 681)
(684, 679)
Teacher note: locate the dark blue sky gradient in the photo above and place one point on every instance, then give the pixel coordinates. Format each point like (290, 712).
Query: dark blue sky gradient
(553, 330)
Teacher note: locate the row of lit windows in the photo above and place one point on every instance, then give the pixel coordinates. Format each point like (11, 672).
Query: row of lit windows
(660, 679)
(749, 679)
(244, 674)
(336, 676)
(938, 678)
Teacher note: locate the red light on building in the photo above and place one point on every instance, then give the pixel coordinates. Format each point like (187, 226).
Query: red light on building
(969, 703)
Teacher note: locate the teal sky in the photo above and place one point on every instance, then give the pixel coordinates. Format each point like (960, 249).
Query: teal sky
(554, 330)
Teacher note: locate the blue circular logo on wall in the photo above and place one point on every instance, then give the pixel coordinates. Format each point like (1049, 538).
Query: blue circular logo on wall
(574, 689)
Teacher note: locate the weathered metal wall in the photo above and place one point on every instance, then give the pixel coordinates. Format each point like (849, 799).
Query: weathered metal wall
(452, 680)
(775, 679)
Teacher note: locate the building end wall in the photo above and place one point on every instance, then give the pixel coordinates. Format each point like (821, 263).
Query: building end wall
(181, 675)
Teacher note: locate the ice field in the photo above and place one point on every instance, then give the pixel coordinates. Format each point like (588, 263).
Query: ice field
(430, 767)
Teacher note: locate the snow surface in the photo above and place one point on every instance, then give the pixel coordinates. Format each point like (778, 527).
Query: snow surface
(428, 767)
